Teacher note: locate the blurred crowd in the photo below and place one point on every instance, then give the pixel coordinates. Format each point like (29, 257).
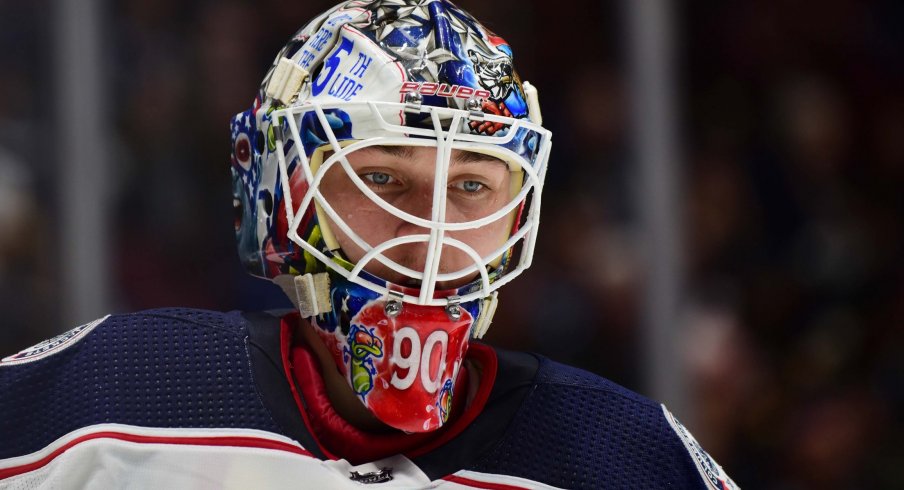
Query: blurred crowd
(792, 164)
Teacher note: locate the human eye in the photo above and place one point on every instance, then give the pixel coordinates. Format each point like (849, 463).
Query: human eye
(378, 178)
(470, 186)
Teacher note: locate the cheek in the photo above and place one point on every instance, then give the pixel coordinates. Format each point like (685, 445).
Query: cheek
(353, 208)
(369, 221)
(486, 238)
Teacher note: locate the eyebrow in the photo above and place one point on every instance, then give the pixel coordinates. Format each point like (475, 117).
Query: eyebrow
(396, 151)
(461, 156)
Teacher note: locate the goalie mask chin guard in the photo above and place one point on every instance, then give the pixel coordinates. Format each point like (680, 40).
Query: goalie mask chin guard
(395, 309)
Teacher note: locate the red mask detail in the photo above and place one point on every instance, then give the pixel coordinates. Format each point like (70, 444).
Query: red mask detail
(403, 368)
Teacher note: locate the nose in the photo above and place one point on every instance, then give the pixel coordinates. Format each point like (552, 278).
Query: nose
(418, 202)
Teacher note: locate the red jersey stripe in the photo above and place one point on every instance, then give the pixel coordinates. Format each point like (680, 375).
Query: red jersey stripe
(224, 441)
(481, 484)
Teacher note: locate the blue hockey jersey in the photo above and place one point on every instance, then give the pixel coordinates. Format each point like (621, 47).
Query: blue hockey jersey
(197, 399)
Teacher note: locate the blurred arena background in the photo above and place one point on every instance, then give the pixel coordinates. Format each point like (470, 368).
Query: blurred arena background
(788, 165)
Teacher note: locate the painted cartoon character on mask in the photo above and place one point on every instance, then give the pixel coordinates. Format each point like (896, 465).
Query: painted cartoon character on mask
(246, 177)
(363, 347)
(445, 401)
(496, 74)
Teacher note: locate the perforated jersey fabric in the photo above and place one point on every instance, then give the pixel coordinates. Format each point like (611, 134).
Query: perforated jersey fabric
(578, 430)
(161, 368)
(173, 371)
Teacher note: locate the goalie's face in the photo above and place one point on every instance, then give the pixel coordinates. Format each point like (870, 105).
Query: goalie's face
(475, 186)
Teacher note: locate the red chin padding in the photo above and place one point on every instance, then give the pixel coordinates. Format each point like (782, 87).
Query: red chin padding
(404, 368)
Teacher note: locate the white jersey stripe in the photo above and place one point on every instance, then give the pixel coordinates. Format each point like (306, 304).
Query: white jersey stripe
(120, 456)
(145, 435)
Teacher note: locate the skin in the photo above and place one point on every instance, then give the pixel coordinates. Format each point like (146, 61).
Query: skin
(478, 185)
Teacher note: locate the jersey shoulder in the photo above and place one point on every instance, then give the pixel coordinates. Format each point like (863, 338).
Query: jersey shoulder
(579, 430)
(168, 368)
(121, 329)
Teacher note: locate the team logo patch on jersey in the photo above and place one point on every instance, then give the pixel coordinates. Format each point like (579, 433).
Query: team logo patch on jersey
(384, 475)
(52, 346)
(712, 473)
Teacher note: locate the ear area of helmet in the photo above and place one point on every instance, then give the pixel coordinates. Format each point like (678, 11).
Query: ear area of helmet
(286, 81)
(533, 103)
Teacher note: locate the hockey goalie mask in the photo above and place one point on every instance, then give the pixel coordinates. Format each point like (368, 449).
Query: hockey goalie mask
(388, 177)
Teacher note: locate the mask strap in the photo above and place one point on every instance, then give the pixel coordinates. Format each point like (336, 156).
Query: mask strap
(310, 293)
(487, 310)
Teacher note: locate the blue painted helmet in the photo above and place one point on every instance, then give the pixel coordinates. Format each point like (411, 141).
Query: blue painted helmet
(382, 73)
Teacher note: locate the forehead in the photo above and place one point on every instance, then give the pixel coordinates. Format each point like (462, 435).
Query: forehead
(410, 153)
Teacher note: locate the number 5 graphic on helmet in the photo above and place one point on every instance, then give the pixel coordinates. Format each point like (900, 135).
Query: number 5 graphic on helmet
(330, 66)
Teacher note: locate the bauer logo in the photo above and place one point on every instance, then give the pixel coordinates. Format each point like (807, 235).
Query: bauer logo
(52, 346)
(444, 90)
